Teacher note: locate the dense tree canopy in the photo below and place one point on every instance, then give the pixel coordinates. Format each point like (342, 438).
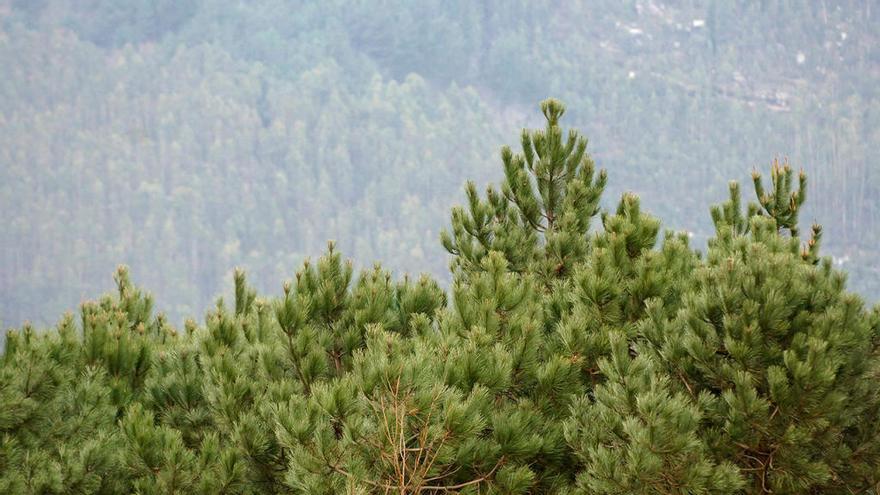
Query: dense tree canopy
(187, 137)
(577, 350)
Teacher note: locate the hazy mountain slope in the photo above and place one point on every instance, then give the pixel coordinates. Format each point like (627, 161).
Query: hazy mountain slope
(185, 138)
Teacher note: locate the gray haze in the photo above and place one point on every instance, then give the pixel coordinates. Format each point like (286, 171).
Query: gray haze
(187, 137)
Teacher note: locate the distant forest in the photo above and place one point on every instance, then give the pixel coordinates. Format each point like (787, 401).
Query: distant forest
(187, 137)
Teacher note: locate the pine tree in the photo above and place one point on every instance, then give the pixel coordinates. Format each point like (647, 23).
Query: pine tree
(635, 434)
(629, 429)
(610, 290)
(465, 403)
(62, 392)
(773, 365)
(789, 356)
(514, 256)
(540, 216)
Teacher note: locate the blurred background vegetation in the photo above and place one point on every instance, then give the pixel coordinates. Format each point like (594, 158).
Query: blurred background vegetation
(187, 137)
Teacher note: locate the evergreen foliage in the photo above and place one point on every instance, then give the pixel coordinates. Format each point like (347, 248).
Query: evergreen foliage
(542, 212)
(569, 355)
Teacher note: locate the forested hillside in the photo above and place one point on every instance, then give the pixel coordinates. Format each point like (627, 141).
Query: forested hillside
(187, 137)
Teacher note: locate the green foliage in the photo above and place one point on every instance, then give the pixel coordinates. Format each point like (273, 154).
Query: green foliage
(771, 361)
(786, 353)
(540, 216)
(565, 357)
(637, 436)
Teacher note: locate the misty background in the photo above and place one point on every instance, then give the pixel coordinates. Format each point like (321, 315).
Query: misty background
(187, 137)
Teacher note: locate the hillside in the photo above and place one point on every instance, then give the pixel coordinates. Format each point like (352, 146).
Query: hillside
(187, 137)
